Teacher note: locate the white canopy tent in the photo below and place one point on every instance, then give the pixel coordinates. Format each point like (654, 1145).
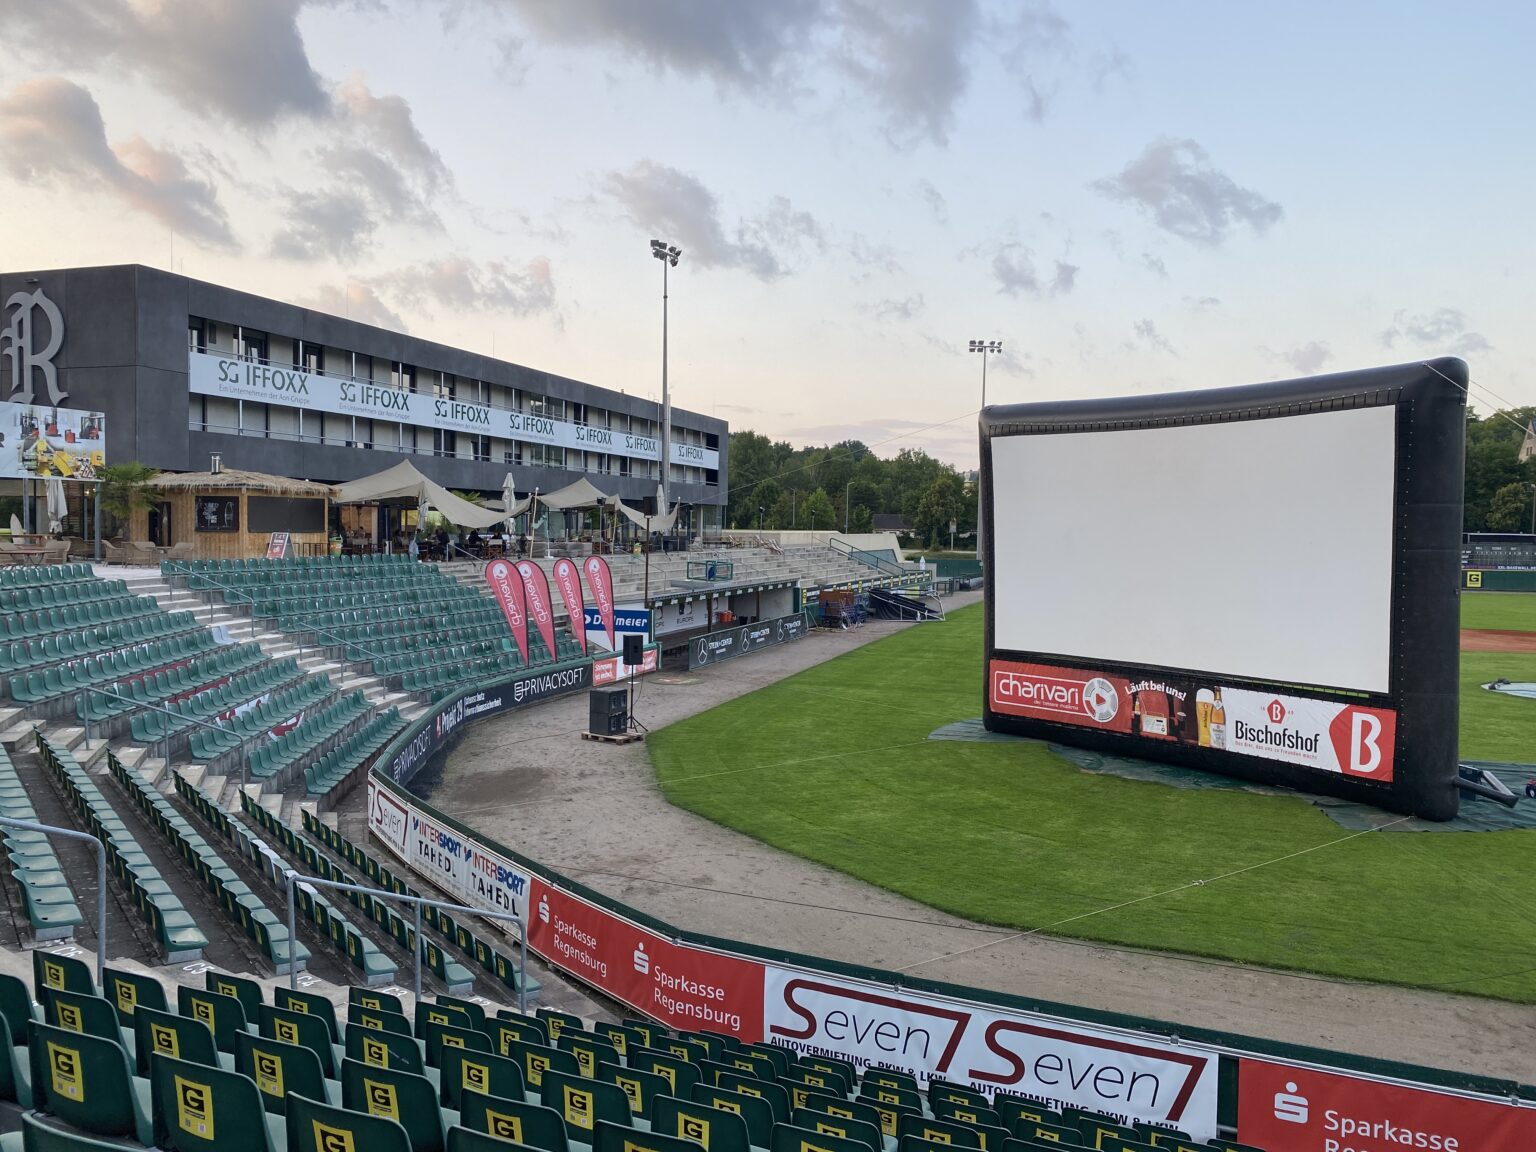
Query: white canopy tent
(404, 482)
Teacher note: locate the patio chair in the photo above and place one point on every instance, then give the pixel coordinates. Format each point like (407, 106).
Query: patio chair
(113, 553)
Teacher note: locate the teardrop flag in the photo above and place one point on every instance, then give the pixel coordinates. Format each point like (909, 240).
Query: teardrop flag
(536, 594)
(507, 587)
(568, 580)
(600, 580)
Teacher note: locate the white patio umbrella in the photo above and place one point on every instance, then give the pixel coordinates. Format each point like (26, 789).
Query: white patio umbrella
(58, 505)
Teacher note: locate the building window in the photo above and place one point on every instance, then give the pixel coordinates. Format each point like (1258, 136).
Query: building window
(402, 377)
(444, 443)
(197, 335)
(250, 346)
(482, 447)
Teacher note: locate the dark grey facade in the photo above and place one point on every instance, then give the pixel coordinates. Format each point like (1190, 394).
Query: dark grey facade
(131, 330)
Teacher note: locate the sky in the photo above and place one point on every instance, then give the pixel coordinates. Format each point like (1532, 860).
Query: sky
(1131, 197)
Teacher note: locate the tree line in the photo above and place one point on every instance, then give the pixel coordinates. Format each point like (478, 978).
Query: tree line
(777, 486)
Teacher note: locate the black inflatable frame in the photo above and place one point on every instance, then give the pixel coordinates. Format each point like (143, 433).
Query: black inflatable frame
(1430, 399)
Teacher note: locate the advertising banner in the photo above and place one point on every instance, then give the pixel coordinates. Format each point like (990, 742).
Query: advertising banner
(682, 986)
(536, 597)
(40, 442)
(622, 620)
(568, 580)
(1291, 1109)
(1122, 1074)
(474, 874)
(600, 580)
(507, 586)
(612, 668)
(210, 374)
(744, 639)
(1332, 736)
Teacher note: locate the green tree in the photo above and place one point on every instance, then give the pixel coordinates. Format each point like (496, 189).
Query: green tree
(1493, 462)
(124, 488)
(752, 459)
(764, 496)
(782, 514)
(817, 513)
(861, 519)
(936, 507)
(1509, 510)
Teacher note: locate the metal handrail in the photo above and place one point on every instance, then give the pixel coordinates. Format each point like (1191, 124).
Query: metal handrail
(878, 562)
(292, 879)
(101, 878)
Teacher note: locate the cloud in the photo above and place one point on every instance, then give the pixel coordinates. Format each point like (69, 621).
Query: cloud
(355, 301)
(1108, 64)
(242, 61)
(910, 56)
(742, 46)
(1148, 335)
(1307, 358)
(333, 224)
(1013, 267)
(1173, 182)
(676, 207)
(1154, 264)
(462, 284)
(932, 197)
(1445, 329)
(386, 124)
(903, 310)
(51, 129)
(1202, 303)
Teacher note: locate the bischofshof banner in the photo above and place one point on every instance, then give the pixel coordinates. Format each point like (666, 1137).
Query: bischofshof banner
(507, 586)
(536, 597)
(600, 580)
(568, 580)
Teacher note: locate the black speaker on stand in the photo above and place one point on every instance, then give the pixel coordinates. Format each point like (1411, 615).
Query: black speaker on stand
(608, 711)
(634, 656)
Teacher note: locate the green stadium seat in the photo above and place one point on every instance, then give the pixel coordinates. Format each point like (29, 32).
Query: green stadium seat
(511, 1026)
(940, 1131)
(642, 1088)
(93, 1015)
(438, 1012)
(717, 1129)
(536, 1059)
(37, 1135)
(243, 989)
(621, 1036)
(53, 971)
(1018, 1111)
(476, 1012)
(1039, 1130)
(466, 1140)
(316, 1127)
(295, 1000)
(788, 1138)
(198, 1108)
(681, 1075)
(279, 1069)
(301, 1028)
(890, 1078)
(463, 1070)
(756, 1111)
(861, 1131)
(15, 1071)
(617, 1138)
(555, 1021)
(531, 1125)
(435, 1037)
(130, 991)
(582, 1102)
(171, 1034)
(878, 1092)
(588, 1050)
(86, 1082)
(16, 1006)
(840, 1108)
(732, 1080)
(375, 1000)
(384, 1049)
(407, 1099)
(223, 1014)
(380, 1019)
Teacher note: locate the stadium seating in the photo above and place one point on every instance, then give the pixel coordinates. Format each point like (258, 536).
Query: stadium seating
(209, 1074)
(46, 896)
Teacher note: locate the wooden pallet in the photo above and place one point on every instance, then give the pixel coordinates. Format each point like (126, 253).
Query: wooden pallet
(627, 738)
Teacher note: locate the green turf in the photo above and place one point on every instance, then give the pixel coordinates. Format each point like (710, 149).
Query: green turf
(1511, 610)
(834, 765)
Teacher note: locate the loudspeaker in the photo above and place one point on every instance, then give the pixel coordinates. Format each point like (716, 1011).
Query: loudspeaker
(634, 649)
(608, 711)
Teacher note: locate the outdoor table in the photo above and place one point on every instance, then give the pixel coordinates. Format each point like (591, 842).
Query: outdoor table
(28, 555)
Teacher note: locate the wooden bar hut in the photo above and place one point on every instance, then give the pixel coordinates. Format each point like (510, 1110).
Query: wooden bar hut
(230, 514)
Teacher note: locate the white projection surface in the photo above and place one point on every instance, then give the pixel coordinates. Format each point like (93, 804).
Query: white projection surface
(1257, 549)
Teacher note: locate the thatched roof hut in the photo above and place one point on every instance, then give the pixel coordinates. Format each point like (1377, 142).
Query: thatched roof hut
(233, 513)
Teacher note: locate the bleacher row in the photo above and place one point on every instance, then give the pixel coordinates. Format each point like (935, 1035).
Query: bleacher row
(227, 1071)
(168, 686)
(405, 622)
(47, 899)
(71, 662)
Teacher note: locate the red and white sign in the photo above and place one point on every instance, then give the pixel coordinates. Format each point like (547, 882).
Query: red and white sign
(613, 668)
(536, 597)
(1065, 695)
(1121, 1074)
(568, 580)
(1350, 739)
(1287, 1109)
(600, 580)
(681, 986)
(507, 586)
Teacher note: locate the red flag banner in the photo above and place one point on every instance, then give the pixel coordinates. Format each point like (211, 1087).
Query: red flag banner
(536, 591)
(568, 580)
(600, 580)
(507, 587)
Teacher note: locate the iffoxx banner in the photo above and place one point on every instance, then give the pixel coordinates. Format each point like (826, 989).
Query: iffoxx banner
(474, 874)
(1341, 737)
(507, 586)
(568, 580)
(1297, 1109)
(1123, 1074)
(600, 580)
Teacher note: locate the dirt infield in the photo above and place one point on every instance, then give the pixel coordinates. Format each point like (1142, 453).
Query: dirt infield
(1497, 640)
(594, 812)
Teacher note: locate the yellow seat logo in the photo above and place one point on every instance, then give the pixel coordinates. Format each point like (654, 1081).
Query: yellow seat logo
(381, 1099)
(194, 1108)
(328, 1139)
(578, 1107)
(268, 1067)
(64, 1064)
(163, 1039)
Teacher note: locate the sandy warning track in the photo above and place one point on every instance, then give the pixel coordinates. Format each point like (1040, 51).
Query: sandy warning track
(1497, 640)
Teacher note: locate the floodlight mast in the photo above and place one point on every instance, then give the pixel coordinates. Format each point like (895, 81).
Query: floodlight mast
(668, 255)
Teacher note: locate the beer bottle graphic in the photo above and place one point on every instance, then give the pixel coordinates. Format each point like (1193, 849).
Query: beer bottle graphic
(1218, 722)
(1203, 700)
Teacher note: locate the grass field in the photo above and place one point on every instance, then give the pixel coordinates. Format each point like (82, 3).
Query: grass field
(834, 765)
(1513, 610)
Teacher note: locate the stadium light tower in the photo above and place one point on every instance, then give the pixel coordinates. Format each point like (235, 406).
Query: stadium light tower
(985, 347)
(667, 254)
